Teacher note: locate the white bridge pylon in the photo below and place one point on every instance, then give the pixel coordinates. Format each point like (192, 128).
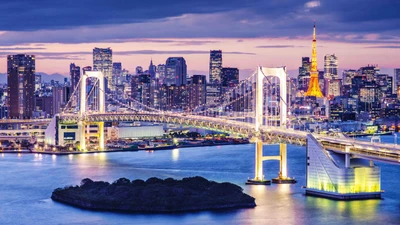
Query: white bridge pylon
(82, 109)
(262, 74)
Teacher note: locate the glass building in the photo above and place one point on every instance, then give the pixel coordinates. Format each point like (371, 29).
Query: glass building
(215, 66)
(175, 71)
(331, 67)
(21, 85)
(75, 74)
(102, 61)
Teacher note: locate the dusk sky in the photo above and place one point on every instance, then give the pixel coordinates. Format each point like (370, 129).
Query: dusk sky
(249, 32)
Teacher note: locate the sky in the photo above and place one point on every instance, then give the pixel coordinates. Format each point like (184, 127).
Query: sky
(249, 32)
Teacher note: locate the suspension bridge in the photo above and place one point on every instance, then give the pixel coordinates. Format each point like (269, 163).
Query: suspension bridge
(256, 108)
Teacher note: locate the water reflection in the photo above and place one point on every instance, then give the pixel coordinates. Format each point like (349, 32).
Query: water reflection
(175, 155)
(358, 210)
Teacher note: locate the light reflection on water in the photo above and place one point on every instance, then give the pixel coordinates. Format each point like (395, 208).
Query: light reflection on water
(26, 187)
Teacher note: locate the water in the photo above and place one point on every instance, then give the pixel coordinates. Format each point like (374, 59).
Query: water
(27, 181)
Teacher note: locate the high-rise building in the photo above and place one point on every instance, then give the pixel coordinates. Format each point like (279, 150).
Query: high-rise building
(152, 70)
(313, 87)
(370, 71)
(175, 71)
(229, 77)
(161, 73)
(60, 96)
(197, 91)
(117, 73)
(215, 66)
(304, 74)
(75, 74)
(331, 67)
(21, 85)
(102, 61)
(396, 80)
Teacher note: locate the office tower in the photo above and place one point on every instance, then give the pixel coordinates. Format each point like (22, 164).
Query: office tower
(61, 97)
(347, 76)
(229, 77)
(370, 71)
(332, 88)
(213, 94)
(215, 66)
(175, 71)
(396, 81)
(304, 74)
(21, 85)
(331, 67)
(161, 73)
(102, 61)
(75, 74)
(313, 87)
(117, 73)
(197, 91)
(152, 70)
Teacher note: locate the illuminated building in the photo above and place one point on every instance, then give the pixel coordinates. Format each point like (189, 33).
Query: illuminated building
(332, 88)
(396, 81)
(160, 73)
(152, 70)
(38, 82)
(139, 70)
(175, 71)
(331, 67)
(229, 77)
(215, 66)
(313, 88)
(75, 74)
(21, 85)
(197, 91)
(304, 74)
(102, 61)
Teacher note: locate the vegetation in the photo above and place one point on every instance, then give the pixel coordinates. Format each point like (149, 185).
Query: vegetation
(154, 195)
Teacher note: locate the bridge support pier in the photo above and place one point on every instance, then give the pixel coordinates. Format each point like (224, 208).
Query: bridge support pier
(259, 175)
(282, 176)
(101, 135)
(82, 135)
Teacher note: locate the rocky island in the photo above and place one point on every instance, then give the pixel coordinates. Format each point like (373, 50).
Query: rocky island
(154, 195)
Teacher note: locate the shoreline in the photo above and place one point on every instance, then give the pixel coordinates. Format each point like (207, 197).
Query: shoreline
(116, 150)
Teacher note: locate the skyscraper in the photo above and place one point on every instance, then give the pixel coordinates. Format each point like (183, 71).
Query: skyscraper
(331, 67)
(215, 66)
(229, 77)
(197, 91)
(313, 87)
(161, 73)
(117, 73)
(102, 61)
(396, 80)
(21, 85)
(152, 70)
(304, 73)
(175, 71)
(75, 74)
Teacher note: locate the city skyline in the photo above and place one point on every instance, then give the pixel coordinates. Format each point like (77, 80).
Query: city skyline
(246, 39)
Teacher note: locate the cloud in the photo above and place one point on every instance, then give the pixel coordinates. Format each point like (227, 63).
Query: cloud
(73, 21)
(312, 4)
(280, 46)
(22, 49)
(385, 46)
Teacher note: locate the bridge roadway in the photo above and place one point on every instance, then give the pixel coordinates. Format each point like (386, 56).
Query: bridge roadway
(357, 148)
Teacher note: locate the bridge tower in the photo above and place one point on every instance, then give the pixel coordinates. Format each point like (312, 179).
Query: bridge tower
(262, 74)
(82, 109)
